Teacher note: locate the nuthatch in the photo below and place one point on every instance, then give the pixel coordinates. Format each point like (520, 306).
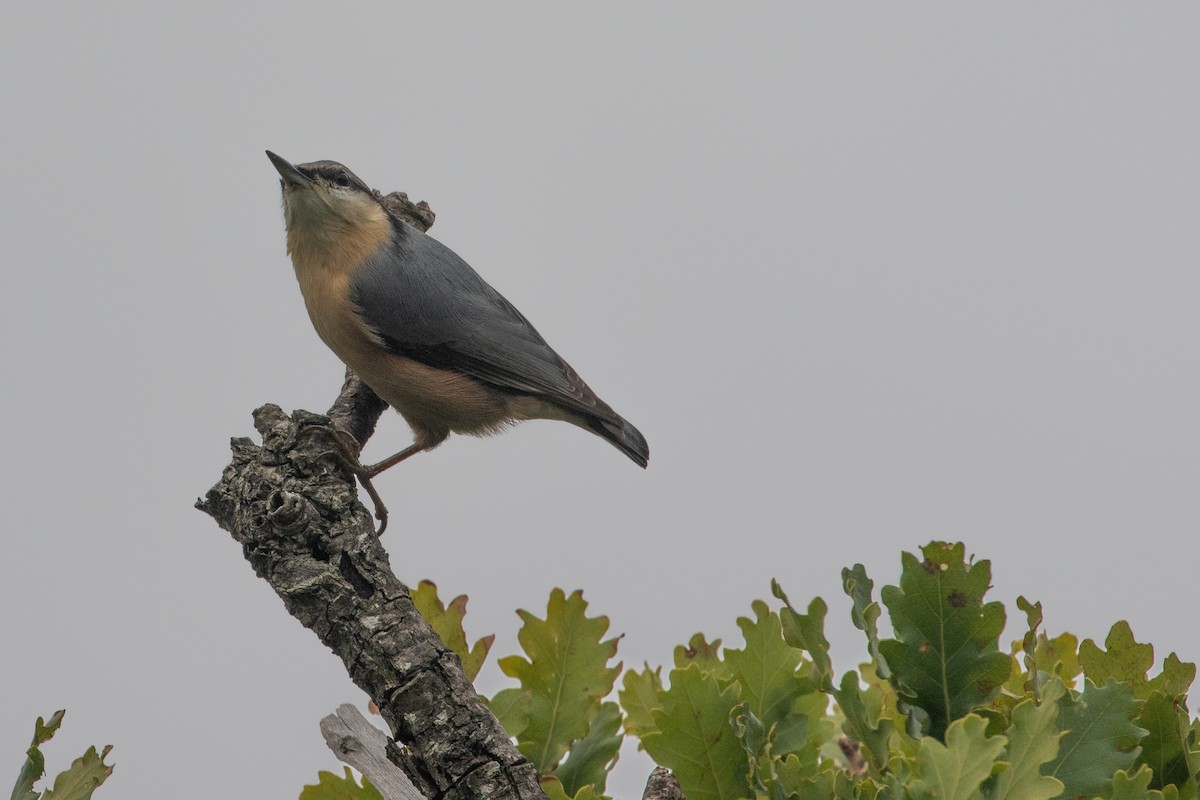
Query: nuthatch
(420, 327)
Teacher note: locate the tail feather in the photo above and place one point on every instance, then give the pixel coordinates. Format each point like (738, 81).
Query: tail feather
(624, 437)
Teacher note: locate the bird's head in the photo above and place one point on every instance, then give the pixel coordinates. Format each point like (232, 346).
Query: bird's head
(323, 192)
(324, 201)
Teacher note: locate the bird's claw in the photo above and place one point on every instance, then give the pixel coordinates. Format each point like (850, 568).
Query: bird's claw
(348, 449)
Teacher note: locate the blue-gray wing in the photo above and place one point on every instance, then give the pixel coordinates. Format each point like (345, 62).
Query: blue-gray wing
(426, 303)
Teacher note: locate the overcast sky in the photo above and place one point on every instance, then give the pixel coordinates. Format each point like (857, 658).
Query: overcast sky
(865, 276)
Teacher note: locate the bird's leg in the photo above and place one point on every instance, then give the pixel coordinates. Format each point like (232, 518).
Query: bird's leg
(381, 512)
(366, 473)
(392, 461)
(349, 450)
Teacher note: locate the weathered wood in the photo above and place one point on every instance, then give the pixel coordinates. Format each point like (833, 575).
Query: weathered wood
(662, 786)
(291, 504)
(355, 741)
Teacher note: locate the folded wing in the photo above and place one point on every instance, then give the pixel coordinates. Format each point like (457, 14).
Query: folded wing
(426, 303)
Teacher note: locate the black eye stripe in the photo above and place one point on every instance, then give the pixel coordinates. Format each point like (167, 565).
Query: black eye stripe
(334, 175)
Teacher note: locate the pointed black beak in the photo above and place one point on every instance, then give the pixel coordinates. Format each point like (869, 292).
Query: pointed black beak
(290, 172)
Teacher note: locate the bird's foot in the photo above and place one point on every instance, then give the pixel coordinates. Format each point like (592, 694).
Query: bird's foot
(348, 450)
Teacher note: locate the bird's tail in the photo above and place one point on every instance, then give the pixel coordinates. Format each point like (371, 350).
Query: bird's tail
(624, 437)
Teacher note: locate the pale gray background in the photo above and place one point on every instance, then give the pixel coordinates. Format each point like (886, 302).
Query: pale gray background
(864, 276)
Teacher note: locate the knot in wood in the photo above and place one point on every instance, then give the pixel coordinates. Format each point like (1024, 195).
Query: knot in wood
(288, 512)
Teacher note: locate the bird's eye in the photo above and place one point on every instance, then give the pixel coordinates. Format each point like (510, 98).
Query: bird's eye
(343, 181)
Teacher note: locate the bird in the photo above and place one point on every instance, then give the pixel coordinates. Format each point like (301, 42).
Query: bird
(421, 328)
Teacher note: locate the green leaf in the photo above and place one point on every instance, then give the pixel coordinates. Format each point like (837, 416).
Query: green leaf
(556, 791)
(1032, 742)
(446, 621)
(868, 789)
(1052, 657)
(770, 769)
(755, 739)
(77, 782)
(1059, 656)
(592, 757)
(956, 770)
(511, 707)
(1165, 748)
(807, 632)
(868, 729)
(695, 740)
(767, 667)
(704, 654)
(807, 730)
(1174, 680)
(1043, 657)
(35, 762)
(1033, 617)
(85, 774)
(44, 731)
(566, 674)
(640, 695)
(1125, 659)
(796, 781)
(335, 787)
(1137, 787)
(946, 658)
(1100, 738)
(31, 771)
(864, 613)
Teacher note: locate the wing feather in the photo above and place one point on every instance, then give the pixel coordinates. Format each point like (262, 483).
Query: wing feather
(426, 303)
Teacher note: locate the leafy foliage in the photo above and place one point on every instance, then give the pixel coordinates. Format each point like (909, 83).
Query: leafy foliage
(1033, 741)
(77, 782)
(1125, 660)
(1169, 749)
(694, 738)
(446, 621)
(1137, 787)
(864, 612)
(592, 757)
(807, 632)
(335, 787)
(640, 696)
(938, 711)
(956, 770)
(1100, 738)
(512, 708)
(768, 673)
(566, 675)
(554, 790)
(946, 658)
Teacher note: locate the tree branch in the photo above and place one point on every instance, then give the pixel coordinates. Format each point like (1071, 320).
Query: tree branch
(291, 504)
(662, 786)
(355, 741)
